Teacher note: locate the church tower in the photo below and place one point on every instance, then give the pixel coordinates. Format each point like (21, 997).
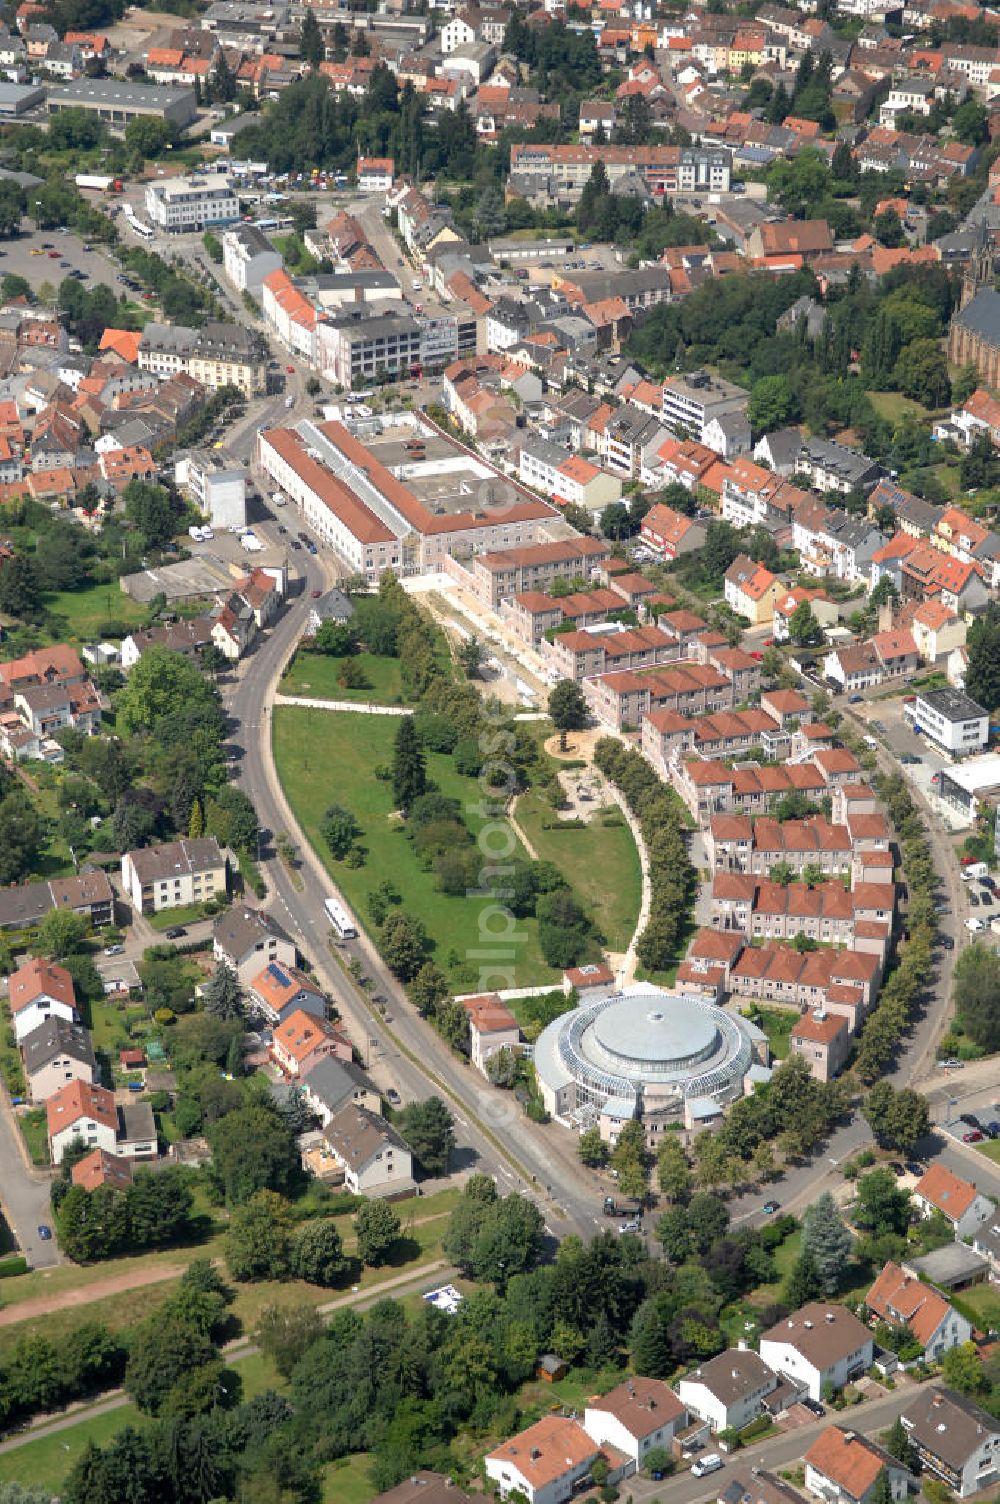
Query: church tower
(979, 270)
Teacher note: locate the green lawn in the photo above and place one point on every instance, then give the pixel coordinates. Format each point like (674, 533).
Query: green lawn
(894, 407)
(46, 1463)
(777, 1024)
(325, 758)
(317, 675)
(85, 610)
(34, 1131)
(990, 1149)
(185, 913)
(346, 1480)
(785, 1256)
(600, 862)
(981, 1303)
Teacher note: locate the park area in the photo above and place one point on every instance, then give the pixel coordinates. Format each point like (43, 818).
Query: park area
(326, 757)
(599, 861)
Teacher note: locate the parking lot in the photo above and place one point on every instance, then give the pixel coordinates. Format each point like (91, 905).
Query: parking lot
(51, 255)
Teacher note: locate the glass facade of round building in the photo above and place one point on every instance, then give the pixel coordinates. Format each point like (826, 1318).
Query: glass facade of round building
(641, 1053)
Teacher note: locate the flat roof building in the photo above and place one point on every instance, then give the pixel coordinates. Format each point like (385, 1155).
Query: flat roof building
(950, 719)
(18, 99)
(192, 203)
(644, 1054)
(117, 103)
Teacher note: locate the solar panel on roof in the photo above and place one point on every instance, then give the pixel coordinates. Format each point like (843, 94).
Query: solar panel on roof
(276, 974)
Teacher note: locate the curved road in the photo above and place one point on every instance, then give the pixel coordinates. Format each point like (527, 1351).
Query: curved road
(493, 1134)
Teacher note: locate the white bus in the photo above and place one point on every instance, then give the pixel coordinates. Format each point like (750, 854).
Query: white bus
(340, 919)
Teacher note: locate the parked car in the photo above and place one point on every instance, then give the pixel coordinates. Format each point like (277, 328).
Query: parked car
(393, 1098)
(947, 942)
(972, 1137)
(113, 950)
(991, 1129)
(974, 899)
(45, 1232)
(770, 1207)
(711, 1463)
(854, 699)
(175, 932)
(969, 1119)
(914, 1168)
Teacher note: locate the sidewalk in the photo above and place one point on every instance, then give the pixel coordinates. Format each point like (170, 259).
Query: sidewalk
(361, 707)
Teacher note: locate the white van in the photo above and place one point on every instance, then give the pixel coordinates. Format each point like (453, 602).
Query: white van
(710, 1463)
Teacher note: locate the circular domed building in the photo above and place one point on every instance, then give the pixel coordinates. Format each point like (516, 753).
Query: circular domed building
(645, 1054)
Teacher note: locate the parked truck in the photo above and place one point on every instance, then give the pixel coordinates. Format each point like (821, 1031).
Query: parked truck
(98, 183)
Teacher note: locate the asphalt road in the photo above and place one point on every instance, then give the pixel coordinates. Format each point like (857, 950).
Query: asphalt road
(407, 1054)
(870, 1417)
(24, 1193)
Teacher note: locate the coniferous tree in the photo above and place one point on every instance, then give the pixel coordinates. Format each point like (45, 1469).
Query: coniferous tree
(222, 994)
(311, 45)
(827, 1241)
(409, 770)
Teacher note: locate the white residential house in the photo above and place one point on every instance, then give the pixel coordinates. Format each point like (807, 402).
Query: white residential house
(375, 1160)
(902, 1300)
(492, 1028)
(843, 1467)
(457, 32)
(174, 875)
(636, 1417)
(547, 1463)
(729, 1391)
(81, 1111)
(819, 1345)
(941, 1190)
(375, 174)
(955, 1440)
(38, 991)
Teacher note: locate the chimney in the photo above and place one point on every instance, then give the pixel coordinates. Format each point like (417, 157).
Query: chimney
(535, 1454)
(808, 1325)
(830, 1318)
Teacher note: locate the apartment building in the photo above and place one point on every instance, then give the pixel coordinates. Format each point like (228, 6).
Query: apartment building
(358, 347)
(248, 257)
(218, 354)
(950, 719)
(501, 575)
(955, 1440)
(173, 875)
(694, 402)
(199, 202)
(565, 170)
